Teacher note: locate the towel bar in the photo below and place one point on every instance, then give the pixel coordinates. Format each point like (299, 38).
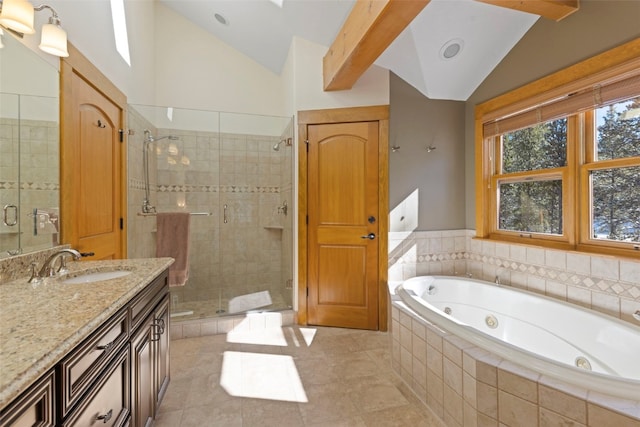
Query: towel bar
(192, 214)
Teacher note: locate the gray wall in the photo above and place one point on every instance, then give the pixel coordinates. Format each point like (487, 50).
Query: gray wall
(417, 122)
(549, 46)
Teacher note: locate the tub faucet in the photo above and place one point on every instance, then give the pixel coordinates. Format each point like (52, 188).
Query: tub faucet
(48, 269)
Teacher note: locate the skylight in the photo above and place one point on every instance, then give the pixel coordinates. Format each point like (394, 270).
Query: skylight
(120, 29)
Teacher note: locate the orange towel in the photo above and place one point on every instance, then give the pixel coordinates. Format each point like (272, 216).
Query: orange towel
(172, 240)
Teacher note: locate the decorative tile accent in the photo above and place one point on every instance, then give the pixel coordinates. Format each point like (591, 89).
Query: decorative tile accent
(184, 188)
(515, 270)
(12, 185)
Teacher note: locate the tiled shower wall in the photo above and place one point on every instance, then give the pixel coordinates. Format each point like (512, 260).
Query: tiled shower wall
(202, 172)
(29, 178)
(604, 283)
(141, 238)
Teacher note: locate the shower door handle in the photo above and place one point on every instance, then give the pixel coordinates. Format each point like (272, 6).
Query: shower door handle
(224, 214)
(5, 215)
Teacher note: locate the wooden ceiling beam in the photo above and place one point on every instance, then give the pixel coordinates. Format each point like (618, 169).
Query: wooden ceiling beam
(369, 29)
(550, 9)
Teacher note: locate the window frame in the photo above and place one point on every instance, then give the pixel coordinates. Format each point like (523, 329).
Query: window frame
(589, 165)
(616, 63)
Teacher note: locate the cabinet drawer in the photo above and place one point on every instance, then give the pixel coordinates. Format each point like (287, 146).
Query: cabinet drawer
(145, 302)
(34, 408)
(108, 403)
(80, 368)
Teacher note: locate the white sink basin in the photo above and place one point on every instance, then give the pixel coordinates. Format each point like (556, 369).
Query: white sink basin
(96, 277)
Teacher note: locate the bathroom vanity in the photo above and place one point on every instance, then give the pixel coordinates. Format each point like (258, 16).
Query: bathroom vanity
(86, 351)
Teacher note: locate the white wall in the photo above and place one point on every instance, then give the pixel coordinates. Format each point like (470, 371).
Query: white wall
(176, 63)
(90, 29)
(196, 70)
(308, 94)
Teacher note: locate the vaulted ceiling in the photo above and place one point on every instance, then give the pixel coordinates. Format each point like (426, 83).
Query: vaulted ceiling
(485, 33)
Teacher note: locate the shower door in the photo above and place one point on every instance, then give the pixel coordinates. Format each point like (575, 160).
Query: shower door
(234, 174)
(256, 244)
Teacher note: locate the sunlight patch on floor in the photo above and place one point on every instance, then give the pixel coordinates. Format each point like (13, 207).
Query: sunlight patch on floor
(259, 329)
(308, 334)
(261, 376)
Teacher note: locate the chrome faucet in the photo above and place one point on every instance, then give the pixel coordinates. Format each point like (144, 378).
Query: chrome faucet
(48, 269)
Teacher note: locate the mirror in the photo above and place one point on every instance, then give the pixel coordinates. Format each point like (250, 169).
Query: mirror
(29, 150)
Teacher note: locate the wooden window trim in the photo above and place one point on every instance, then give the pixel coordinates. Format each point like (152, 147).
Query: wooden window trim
(620, 61)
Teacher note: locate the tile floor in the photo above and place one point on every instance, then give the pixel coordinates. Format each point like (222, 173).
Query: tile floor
(286, 377)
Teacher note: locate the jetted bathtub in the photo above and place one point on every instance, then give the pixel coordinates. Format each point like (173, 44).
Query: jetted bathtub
(564, 341)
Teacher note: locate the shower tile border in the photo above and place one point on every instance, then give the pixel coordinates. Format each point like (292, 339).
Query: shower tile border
(138, 184)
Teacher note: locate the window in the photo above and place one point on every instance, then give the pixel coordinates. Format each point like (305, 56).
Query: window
(529, 178)
(614, 173)
(560, 166)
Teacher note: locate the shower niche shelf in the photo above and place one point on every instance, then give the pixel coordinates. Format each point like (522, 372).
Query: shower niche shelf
(273, 227)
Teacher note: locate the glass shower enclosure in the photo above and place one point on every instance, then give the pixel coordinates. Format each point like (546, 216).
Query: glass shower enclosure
(234, 174)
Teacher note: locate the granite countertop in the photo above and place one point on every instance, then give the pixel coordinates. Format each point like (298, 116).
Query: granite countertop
(40, 323)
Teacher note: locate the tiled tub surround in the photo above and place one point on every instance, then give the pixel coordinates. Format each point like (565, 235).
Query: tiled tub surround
(603, 283)
(467, 386)
(40, 323)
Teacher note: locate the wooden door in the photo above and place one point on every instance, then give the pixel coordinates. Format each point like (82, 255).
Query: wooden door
(92, 206)
(343, 232)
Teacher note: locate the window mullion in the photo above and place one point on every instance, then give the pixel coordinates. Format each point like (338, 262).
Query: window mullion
(571, 207)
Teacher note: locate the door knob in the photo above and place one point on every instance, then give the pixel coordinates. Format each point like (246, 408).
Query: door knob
(369, 236)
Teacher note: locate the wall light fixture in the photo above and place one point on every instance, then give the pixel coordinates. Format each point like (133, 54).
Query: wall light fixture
(18, 17)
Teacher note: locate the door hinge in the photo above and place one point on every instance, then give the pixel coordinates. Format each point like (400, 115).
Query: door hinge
(121, 223)
(307, 292)
(121, 132)
(307, 219)
(306, 141)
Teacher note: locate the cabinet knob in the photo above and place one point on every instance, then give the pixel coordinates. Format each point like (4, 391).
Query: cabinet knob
(106, 347)
(159, 323)
(106, 417)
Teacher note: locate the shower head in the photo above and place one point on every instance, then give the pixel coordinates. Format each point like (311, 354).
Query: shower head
(148, 138)
(286, 141)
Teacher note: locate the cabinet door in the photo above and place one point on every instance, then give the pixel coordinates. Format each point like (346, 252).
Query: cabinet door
(33, 408)
(142, 375)
(161, 324)
(107, 403)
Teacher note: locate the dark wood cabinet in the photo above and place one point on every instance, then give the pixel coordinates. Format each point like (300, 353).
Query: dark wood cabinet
(34, 408)
(150, 354)
(80, 368)
(116, 377)
(162, 319)
(107, 402)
